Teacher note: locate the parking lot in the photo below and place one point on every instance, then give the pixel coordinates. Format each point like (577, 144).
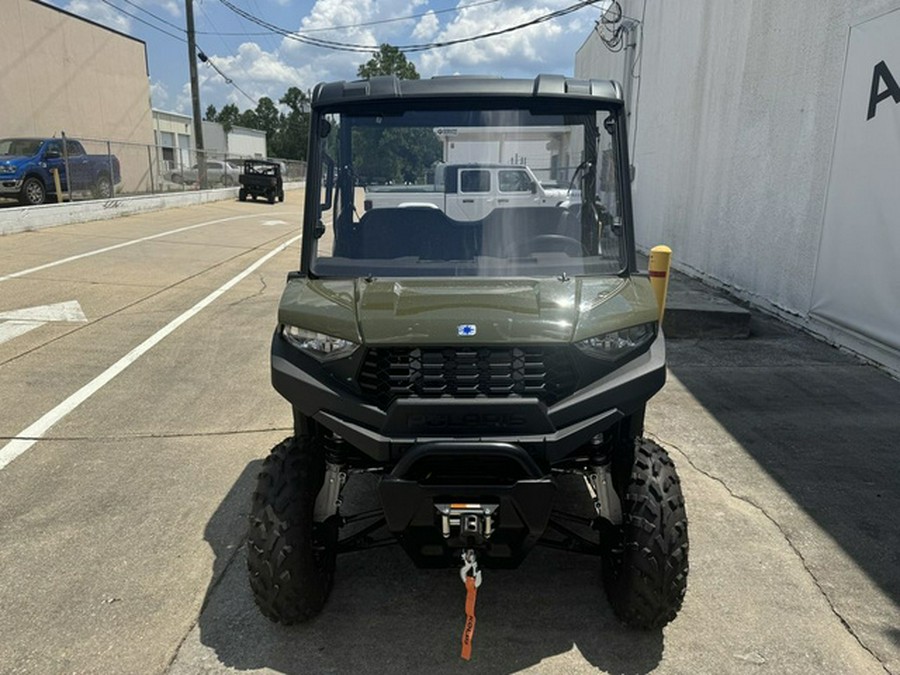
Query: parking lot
(134, 385)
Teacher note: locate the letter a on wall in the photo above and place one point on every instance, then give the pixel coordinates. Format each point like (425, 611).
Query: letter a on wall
(857, 284)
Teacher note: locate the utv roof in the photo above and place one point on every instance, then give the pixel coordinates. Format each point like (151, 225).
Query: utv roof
(390, 87)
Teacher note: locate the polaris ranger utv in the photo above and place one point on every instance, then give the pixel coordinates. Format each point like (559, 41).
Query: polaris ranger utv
(473, 366)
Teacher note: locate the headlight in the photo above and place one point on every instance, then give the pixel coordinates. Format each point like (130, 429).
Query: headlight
(612, 346)
(321, 346)
(6, 168)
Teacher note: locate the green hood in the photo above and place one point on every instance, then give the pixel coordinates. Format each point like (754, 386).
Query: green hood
(431, 311)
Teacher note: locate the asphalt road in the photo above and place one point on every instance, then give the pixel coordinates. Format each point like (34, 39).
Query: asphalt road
(133, 425)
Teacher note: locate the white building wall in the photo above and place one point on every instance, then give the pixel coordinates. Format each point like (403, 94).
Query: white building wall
(214, 140)
(735, 110)
(244, 142)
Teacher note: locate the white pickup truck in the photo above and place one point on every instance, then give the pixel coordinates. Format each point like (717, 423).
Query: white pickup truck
(469, 192)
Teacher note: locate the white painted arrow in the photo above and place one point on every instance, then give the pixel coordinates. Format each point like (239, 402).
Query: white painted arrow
(19, 321)
(275, 222)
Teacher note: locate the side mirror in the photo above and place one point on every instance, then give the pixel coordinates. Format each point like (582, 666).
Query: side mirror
(534, 187)
(52, 154)
(319, 231)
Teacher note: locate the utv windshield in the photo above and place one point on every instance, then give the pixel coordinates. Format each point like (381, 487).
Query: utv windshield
(468, 193)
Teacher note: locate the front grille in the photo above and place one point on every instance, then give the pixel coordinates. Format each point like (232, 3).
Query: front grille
(545, 373)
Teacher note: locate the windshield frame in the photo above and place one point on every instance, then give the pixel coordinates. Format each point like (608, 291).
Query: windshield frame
(615, 123)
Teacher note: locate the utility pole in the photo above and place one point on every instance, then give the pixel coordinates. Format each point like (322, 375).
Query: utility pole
(195, 94)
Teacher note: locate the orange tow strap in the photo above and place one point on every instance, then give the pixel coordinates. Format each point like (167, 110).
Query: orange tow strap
(469, 630)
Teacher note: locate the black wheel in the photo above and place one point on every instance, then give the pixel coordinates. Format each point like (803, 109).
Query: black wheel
(645, 566)
(242, 195)
(103, 188)
(281, 195)
(270, 195)
(33, 192)
(289, 557)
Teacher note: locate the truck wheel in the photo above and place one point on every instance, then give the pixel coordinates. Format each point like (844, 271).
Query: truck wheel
(33, 192)
(290, 558)
(645, 567)
(271, 196)
(103, 188)
(242, 195)
(281, 195)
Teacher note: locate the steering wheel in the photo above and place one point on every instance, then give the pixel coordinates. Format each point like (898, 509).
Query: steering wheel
(553, 242)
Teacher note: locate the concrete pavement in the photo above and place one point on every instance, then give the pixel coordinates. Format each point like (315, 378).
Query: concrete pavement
(785, 449)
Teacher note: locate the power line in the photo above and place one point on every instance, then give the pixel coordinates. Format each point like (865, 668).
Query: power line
(341, 46)
(364, 24)
(155, 16)
(203, 57)
(146, 23)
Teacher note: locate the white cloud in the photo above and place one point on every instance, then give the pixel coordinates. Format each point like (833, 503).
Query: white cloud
(427, 27)
(159, 95)
(546, 47)
(101, 13)
(172, 7)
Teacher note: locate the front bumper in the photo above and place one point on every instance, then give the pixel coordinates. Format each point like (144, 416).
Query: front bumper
(10, 186)
(549, 434)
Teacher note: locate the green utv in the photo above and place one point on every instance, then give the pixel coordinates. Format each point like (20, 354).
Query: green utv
(476, 366)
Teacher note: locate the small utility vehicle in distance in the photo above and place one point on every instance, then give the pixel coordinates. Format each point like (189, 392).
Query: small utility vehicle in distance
(261, 179)
(476, 367)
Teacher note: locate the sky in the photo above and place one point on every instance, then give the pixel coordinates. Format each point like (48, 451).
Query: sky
(261, 62)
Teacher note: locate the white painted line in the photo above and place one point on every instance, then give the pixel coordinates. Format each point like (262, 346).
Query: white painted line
(20, 321)
(275, 222)
(106, 249)
(28, 437)
(60, 311)
(13, 329)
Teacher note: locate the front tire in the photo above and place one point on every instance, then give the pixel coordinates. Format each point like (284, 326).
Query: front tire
(290, 558)
(645, 568)
(242, 195)
(32, 192)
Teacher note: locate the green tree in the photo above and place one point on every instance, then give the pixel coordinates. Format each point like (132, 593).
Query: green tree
(229, 117)
(389, 60)
(403, 154)
(268, 117)
(294, 126)
(211, 113)
(248, 119)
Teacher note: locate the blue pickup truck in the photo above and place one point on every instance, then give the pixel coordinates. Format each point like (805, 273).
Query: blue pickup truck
(26, 166)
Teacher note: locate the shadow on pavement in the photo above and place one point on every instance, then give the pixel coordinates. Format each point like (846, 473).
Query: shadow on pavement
(821, 423)
(385, 615)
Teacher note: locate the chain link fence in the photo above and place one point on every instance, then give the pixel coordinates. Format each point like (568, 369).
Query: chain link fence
(139, 169)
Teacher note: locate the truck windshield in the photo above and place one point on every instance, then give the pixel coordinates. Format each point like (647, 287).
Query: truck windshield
(19, 147)
(467, 193)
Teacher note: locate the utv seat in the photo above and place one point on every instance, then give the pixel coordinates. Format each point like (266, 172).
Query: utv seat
(411, 231)
(507, 231)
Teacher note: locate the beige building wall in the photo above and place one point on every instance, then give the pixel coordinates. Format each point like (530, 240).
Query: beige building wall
(59, 72)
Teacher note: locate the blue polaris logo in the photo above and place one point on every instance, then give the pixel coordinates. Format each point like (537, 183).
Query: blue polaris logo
(466, 329)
